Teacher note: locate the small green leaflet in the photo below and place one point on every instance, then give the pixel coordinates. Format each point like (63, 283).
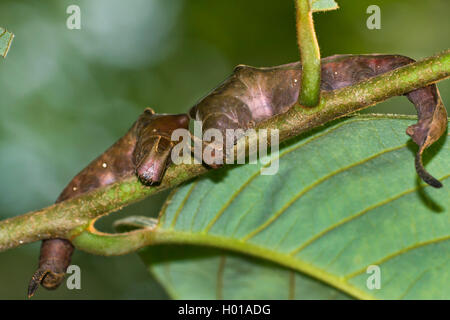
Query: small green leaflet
(6, 38)
(323, 5)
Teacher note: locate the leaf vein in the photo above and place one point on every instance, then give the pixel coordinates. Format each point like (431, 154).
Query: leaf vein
(183, 203)
(398, 253)
(357, 215)
(314, 185)
(256, 174)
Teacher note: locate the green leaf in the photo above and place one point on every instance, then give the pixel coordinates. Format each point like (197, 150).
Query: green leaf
(6, 38)
(323, 5)
(345, 197)
(207, 273)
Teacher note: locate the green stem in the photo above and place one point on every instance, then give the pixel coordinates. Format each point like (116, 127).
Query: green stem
(309, 55)
(70, 218)
(114, 244)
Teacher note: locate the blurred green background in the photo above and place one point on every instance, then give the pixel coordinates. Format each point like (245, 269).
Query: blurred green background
(67, 95)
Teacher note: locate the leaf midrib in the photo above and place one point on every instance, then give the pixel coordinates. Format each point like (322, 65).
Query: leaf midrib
(165, 236)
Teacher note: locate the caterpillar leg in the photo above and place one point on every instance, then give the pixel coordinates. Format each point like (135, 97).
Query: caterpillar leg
(154, 144)
(224, 119)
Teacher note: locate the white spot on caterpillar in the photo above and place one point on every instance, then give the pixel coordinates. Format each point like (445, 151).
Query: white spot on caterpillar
(104, 164)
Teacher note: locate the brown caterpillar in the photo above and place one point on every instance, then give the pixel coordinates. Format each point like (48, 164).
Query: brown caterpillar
(143, 150)
(250, 95)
